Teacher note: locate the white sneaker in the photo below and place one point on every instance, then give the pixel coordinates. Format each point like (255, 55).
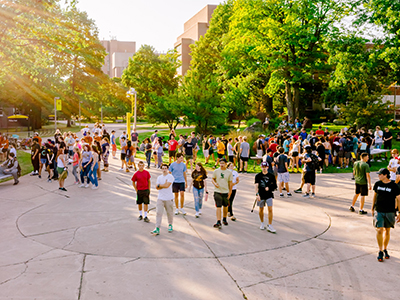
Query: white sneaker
(199, 211)
(121, 169)
(197, 215)
(82, 185)
(177, 211)
(94, 187)
(183, 212)
(262, 227)
(271, 229)
(87, 185)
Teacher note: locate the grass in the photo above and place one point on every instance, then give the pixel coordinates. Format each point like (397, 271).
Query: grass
(24, 160)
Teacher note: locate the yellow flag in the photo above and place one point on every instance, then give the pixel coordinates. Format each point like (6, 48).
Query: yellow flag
(59, 105)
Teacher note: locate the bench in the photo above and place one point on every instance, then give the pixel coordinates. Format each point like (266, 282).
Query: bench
(4, 176)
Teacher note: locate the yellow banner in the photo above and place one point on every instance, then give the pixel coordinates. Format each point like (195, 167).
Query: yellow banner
(59, 104)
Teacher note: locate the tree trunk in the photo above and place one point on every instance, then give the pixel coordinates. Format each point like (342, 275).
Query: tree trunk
(269, 105)
(296, 101)
(289, 100)
(240, 120)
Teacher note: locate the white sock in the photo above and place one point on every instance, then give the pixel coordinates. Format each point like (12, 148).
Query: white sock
(145, 214)
(262, 223)
(140, 212)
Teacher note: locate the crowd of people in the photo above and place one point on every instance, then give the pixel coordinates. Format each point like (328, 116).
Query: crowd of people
(279, 153)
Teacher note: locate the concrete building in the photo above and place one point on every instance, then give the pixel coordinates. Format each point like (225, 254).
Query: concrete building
(117, 59)
(194, 28)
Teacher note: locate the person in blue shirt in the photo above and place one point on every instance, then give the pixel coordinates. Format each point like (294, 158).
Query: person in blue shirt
(178, 170)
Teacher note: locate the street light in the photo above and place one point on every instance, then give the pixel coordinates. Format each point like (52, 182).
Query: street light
(130, 94)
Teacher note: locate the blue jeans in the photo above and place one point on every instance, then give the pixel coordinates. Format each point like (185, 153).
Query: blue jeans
(85, 172)
(148, 158)
(198, 198)
(93, 175)
(159, 159)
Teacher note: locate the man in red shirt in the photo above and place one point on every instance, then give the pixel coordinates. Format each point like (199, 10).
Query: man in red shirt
(273, 146)
(141, 183)
(172, 144)
(320, 132)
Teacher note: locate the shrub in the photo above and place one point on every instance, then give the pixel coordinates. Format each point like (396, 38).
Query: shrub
(251, 121)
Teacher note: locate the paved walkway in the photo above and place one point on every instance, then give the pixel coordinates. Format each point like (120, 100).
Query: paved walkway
(88, 244)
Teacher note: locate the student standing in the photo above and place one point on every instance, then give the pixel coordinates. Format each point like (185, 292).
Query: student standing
(199, 183)
(265, 184)
(386, 200)
(94, 167)
(165, 199)
(178, 170)
(61, 169)
(283, 172)
(222, 180)
(75, 163)
(244, 155)
(235, 181)
(172, 145)
(113, 144)
(85, 165)
(141, 183)
(363, 179)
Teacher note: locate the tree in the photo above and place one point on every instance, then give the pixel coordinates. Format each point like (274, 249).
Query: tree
(164, 109)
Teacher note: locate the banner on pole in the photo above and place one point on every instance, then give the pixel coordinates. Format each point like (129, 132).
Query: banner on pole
(59, 104)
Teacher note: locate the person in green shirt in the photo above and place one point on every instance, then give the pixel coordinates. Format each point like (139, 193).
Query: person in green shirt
(222, 180)
(363, 180)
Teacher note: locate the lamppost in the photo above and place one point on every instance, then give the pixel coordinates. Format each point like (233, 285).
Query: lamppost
(80, 126)
(130, 94)
(55, 111)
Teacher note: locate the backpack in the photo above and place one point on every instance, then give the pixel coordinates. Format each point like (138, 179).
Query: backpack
(128, 152)
(348, 146)
(314, 163)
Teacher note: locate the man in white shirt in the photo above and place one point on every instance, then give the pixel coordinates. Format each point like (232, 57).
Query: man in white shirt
(165, 199)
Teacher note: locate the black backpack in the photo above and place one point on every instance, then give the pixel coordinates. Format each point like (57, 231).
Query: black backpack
(348, 146)
(314, 163)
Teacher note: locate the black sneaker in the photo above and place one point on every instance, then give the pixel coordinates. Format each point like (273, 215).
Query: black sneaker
(40, 176)
(362, 212)
(298, 191)
(281, 195)
(225, 223)
(380, 256)
(218, 225)
(312, 195)
(387, 256)
(289, 194)
(140, 218)
(352, 209)
(146, 219)
(16, 182)
(306, 195)
(63, 189)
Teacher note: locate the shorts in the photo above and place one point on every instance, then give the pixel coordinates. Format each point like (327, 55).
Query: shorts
(221, 199)
(172, 153)
(378, 145)
(260, 152)
(362, 189)
(347, 154)
(130, 158)
(211, 151)
(387, 145)
(62, 174)
(309, 177)
(143, 197)
(4, 150)
(244, 158)
(206, 153)
(385, 220)
(220, 155)
(114, 147)
(341, 153)
(188, 157)
(43, 161)
(178, 187)
(295, 154)
(262, 202)
(230, 158)
(123, 155)
(283, 177)
(134, 144)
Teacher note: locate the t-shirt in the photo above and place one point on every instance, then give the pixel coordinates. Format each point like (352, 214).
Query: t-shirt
(361, 169)
(198, 179)
(222, 177)
(269, 160)
(220, 147)
(282, 159)
(230, 150)
(308, 165)
(43, 153)
(225, 142)
(86, 156)
(35, 148)
(70, 142)
(112, 139)
(245, 149)
(194, 142)
(387, 135)
(134, 136)
(386, 196)
(76, 159)
(319, 132)
(188, 148)
(235, 176)
(393, 163)
(172, 144)
(142, 180)
(378, 136)
(165, 194)
(266, 180)
(177, 170)
(123, 145)
(303, 135)
(286, 145)
(273, 147)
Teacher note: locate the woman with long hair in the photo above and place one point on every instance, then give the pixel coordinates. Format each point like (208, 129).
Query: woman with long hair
(61, 169)
(93, 169)
(160, 153)
(75, 163)
(156, 145)
(105, 147)
(199, 183)
(86, 165)
(99, 152)
(148, 151)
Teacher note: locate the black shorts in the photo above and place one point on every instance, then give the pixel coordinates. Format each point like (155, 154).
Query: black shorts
(362, 189)
(244, 158)
(295, 154)
(172, 153)
(341, 153)
(387, 145)
(231, 158)
(4, 150)
(178, 187)
(210, 151)
(347, 154)
(309, 177)
(143, 197)
(220, 155)
(221, 199)
(123, 156)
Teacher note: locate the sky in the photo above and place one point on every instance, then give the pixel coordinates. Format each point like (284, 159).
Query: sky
(153, 22)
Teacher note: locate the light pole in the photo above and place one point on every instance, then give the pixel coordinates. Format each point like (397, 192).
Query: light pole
(80, 127)
(55, 112)
(132, 92)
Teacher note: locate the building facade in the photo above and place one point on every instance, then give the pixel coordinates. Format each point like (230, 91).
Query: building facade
(194, 28)
(117, 59)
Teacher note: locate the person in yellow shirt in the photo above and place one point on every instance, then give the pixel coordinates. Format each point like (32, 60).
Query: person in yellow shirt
(220, 151)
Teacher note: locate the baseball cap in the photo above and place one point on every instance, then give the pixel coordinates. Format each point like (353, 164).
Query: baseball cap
(264, 164)
(307, 147)
(383, 171)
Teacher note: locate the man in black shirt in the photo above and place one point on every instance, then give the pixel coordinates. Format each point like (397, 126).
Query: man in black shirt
(265, 184)
(188, 146)
(225, 142)
(387, 140)
(386, 200)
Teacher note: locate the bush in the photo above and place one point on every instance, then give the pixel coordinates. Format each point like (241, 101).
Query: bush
(221, 129)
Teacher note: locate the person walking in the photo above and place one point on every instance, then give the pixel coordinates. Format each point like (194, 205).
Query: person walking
(265, 185)
(160, 154)
(147, 149)
(311, 165)
(283, 172)
(94, 166)
(363, 179)
(141, 183)
(85, 165)
(235, 181)
(222, 180)
(165, 199)
(123, 144)
(35, 149)
(244, 155)
(105, 152)
(61, 169)
(75, 163)
(199, 183)
(113, 144)
(178, 170)
(386, 200)
(172, 145)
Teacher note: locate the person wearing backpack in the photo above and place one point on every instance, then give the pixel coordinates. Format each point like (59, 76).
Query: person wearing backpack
(348, 148)
(11, 167)
(311, 162)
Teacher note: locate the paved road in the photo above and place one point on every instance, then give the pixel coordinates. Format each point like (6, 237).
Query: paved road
(87, 244)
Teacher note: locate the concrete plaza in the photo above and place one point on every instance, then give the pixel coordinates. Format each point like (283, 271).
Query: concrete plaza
(88, 244)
